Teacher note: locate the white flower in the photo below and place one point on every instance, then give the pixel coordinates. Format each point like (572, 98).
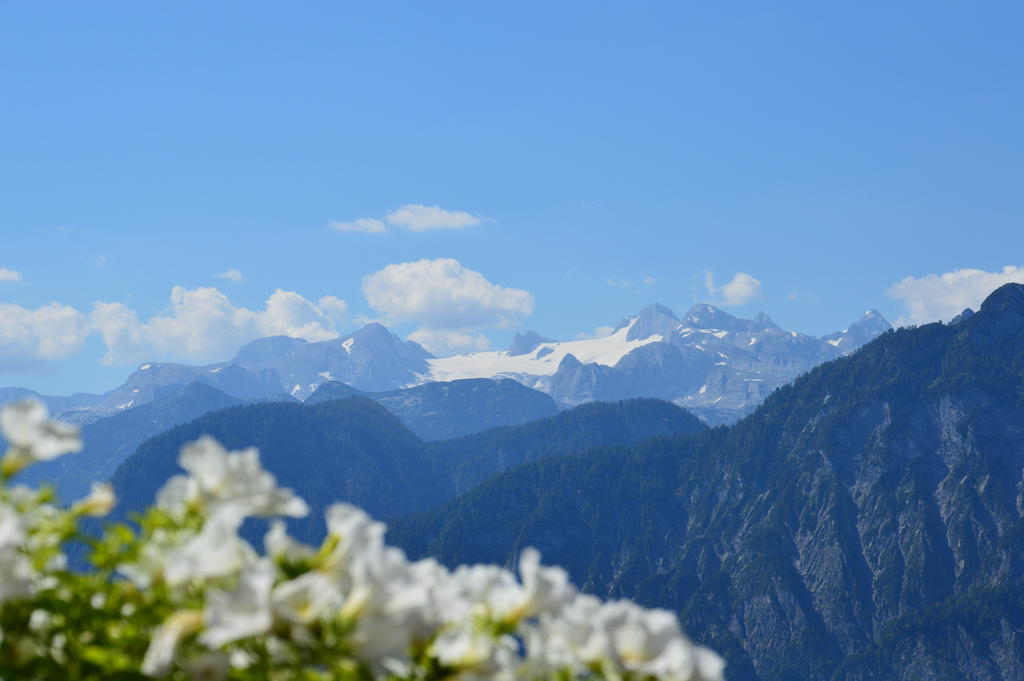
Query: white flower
(474, 653)
(215, 552)
(164, 646)
(545, 589)
(32, 436)
(349, 531)
(177, 494)
(17, 579)
(12, 527)
(278, 544)
(100, 502)
(306, 598)
(236, 479)
(242, 612)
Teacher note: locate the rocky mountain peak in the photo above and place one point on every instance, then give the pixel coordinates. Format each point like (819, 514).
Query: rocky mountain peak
(764, 321)
(525, 343)
(569, 362)
(704, 316)
(653, 320)
(263, 350)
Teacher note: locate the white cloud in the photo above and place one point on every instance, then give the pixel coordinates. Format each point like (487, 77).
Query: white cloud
(420, 218)
(232, 275)
(936, 297)
(413, 216)
(9, 275)
(619, 283)
(28, 337)
(442, 294)
(649, 280)
(447, 301)
(445, 342)
(742, 289)
(367, 225)
(100, 261)
(203, 325)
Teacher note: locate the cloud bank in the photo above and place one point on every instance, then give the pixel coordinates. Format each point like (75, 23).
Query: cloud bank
(9, 275)
(935, 297)
(446, 300)
(30, 337)
(202, 324)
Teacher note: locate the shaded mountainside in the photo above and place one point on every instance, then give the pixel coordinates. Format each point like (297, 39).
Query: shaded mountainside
(355, 450)
(474, 458)
(866, 523)
(437, 411)
(352, 450)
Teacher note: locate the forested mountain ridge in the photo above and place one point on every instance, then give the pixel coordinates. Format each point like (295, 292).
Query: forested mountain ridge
(866, 522)
(354, 449)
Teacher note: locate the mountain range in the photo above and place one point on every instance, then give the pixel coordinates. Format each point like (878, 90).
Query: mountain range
(865, 523)
(718, 366)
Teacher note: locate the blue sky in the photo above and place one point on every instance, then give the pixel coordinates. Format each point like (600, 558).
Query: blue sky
(574, 151)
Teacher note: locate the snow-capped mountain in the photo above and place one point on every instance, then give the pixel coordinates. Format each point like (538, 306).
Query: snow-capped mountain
(717, 365)
(371, 359)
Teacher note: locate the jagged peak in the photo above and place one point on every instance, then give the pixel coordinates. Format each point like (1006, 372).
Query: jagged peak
(706, 316)
(655, 319)
(569, 362)
(261, 349)
(524, 343)
(762, 319)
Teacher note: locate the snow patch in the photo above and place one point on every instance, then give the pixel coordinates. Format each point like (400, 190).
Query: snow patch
(126, 405)
(834, 343)
(606, 351)
(348, 345)
(144, 367)
(217, 370)
(326, 375)
(703, 389)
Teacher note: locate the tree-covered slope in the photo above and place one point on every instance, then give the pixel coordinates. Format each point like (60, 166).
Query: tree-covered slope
(865, 523)
(447, 409)
(474, 458)
(353, 449)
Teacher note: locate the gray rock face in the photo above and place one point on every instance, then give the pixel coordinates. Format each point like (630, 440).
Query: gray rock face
(652, 320)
